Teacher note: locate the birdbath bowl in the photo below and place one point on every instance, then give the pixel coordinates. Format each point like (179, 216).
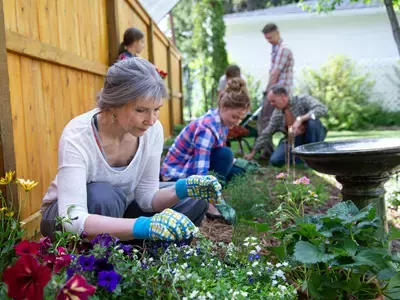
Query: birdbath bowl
(362, 166)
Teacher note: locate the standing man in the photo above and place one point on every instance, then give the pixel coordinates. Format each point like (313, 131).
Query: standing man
(281, 73)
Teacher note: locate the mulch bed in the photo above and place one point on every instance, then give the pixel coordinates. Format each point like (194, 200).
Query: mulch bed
(219, 231)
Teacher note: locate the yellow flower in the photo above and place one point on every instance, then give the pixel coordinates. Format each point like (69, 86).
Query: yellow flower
(7, 179)
(2, 209)
(10, 214)
(27, 184)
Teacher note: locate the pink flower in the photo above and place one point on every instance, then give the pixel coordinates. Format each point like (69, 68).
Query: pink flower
(62, 260)
(281, 175)
(76, 288)
(302, 180)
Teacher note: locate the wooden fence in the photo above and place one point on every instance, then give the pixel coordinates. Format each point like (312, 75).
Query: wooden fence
(53, 58)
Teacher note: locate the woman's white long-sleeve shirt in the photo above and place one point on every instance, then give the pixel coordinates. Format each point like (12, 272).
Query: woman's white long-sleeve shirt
(81, 162)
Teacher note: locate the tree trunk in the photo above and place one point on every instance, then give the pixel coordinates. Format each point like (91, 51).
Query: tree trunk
(393, 22)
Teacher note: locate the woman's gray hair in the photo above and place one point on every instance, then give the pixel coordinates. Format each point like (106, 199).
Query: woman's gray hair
(129, 80)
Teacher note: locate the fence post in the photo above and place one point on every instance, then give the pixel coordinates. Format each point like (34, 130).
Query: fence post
(171, 92)
(7, 154)
(113, 30)
(181, 99)
(150, 38)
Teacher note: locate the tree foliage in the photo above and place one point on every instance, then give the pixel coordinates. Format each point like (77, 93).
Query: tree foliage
(200, 31)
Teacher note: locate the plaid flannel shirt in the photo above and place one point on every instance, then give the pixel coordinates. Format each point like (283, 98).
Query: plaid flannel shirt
(282, 60)
(299, 106)
(190, 153)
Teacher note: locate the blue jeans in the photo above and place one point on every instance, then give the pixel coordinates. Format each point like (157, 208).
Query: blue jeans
(315, 132)
(221, 162)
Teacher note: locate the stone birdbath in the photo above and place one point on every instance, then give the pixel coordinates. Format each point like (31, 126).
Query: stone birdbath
(362, 166)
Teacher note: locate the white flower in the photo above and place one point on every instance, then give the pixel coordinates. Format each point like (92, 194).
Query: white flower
(254, 244)
(254, 264)
(279, 273)
(249, 273)
(244, 294)
(268, 263)
(121, 251)
(185, 265)
(235, 293)
(274, 282)
(285, 264)
(253, 238)
(282, 288)
(184, 298)
(209, 295)
(246, 239)
(151, 259)
(202, 264)
(193, 294)
(202, 298)
(278, 265)
(253, 252)
(258, 248)
(246, 244)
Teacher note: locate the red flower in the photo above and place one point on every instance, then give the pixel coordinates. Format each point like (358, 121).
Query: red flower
(27, 248)
(76, 288)
(45, 245)
(26, 279)
(62, 260)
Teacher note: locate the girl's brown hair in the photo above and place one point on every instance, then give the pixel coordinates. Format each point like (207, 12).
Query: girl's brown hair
(235, 95)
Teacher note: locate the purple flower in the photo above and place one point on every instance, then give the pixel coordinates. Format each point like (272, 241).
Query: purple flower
(127, 248)
(150, 292)
(108, 280)
(71, 272)
(104, 240)
(84, 235)
(102, 264)
(251, 257)
(87, 262)
(144, 266)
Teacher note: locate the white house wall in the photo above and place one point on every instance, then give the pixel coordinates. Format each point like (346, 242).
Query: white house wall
(363, 35)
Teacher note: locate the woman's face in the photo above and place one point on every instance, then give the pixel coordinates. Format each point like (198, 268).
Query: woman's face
(138, 116)
(231, 117)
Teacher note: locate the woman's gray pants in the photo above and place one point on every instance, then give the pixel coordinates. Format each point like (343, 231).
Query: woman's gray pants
(107, 200)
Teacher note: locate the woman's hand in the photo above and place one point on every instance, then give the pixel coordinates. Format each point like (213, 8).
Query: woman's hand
(198, 187)
(168, 225)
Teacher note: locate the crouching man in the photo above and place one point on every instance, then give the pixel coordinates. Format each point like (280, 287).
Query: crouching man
(300, 114)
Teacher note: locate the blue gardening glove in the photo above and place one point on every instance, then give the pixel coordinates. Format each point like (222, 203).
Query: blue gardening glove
(205, 188)
(168, 225)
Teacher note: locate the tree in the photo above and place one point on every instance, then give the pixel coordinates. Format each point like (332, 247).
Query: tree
(391, 5)
(200, 31)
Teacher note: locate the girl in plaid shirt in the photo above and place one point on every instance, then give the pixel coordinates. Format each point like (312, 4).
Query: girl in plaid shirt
(200, 147)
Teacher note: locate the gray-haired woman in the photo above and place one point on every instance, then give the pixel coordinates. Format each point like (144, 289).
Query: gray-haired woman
(109, 163)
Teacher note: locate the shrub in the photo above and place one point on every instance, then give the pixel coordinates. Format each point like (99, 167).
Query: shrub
(345, 91)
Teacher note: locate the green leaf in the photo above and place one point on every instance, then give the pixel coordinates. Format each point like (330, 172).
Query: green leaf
(351, 247)
(394, 234)
(307, 253)
(313, 286)
(386, 274)
(279, 251)
(344, 210)
(260, 227)
(393, 289)
(370, 258)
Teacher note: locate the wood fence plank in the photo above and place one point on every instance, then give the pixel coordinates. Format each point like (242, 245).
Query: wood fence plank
(7, 158)
(10, 15)
(113, 30)
(20, 44)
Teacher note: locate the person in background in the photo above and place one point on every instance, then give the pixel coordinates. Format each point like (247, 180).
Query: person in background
(232, 71)
(300, 113)
(109, 166)
(281, 73)
(201, 145)
(132, 45)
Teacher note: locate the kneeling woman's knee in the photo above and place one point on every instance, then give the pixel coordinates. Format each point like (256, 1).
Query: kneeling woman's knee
(105, 199)
(225, 153)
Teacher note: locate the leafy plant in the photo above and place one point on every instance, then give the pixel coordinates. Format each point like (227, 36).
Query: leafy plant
(11, 231)
(345, 91)
(339, 254)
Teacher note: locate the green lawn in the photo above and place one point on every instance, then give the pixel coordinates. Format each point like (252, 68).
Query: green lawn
(338, 135)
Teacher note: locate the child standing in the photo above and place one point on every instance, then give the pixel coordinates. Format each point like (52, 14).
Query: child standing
(132, 45)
